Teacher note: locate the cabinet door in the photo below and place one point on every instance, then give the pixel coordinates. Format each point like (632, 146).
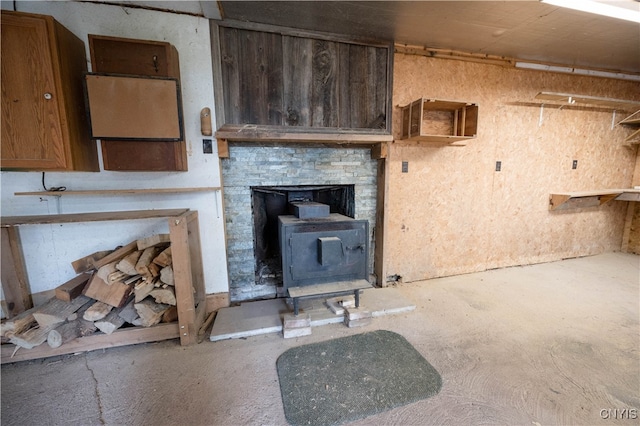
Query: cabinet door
(32, 135)
(144, 58)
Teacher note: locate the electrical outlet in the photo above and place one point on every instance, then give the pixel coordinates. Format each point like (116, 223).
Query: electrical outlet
(574, 165)
(207, 146)
(498, 166)
(405, 167)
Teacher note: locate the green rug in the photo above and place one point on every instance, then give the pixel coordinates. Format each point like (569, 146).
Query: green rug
(352, 377)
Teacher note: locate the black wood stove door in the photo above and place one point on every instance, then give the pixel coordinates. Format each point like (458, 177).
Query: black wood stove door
(321, 251)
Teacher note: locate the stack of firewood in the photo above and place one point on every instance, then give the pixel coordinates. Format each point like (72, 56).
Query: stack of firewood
(130, 285)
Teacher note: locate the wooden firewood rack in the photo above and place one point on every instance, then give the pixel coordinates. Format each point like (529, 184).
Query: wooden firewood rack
(184, 234)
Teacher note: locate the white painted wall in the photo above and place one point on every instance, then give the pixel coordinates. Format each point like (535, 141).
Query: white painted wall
(49, 249)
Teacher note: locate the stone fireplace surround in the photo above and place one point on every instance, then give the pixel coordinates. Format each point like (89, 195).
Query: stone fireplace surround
(250, 166)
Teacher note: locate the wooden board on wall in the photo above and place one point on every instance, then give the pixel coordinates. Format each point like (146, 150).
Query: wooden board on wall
(125, 107)
(634, 229)
(138, 57)
(295, 80)
(440, 223)
(143, 156)
(131, 56)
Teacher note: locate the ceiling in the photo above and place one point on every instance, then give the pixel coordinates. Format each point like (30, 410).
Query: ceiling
(521, 29)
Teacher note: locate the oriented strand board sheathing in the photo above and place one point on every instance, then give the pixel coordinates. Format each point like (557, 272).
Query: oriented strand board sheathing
(452, 213)
(631, 236)
(634, 234)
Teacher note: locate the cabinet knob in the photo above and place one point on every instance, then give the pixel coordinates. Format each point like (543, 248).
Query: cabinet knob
(48, 96)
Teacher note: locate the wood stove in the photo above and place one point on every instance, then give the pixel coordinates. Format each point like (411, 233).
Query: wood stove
(318, 248)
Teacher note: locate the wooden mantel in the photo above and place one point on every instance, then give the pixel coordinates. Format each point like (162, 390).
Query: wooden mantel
(303, 135)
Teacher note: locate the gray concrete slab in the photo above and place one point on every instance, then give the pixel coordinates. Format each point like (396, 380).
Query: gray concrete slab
(266, 316)
(554, 343)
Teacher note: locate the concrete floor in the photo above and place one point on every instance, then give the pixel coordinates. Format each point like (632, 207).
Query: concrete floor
(555, 343)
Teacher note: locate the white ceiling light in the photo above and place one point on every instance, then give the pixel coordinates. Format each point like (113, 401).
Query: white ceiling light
(629, 12)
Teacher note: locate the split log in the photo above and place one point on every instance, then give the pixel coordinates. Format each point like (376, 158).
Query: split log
(154, 269)
(164, 295)
(128, 263)
(115, 294)
(106, 270)
(72, 288)
(133, 279)
(111, 322)
(117, 276)
(170, 314)
(97, 311)
(32, 337)
(153, 240)
(86, 263)
(142, 289)
(164, 258)
(117, 254)
(150, 312)
(145, 259)
(205, 325)
(56, 311)
(70, 330)
(129, 313)
(166, 275)
(20, 323)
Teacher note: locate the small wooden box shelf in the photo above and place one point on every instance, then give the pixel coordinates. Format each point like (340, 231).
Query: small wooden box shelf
(439, 121)
(188, 275)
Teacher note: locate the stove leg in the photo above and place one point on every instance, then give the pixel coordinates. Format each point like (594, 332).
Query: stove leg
(295, 306)
(357, 294)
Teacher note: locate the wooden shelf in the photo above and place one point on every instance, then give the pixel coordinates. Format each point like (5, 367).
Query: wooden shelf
(117, 192)
(439, 121)
(121, 337)
(583, 199)
(184, 234)
(7, 221)
(571, 99)
(629, 195)
(633, 138)
(290, 134)
(632, 120)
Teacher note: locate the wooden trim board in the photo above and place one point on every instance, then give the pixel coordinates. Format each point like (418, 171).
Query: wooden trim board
(121, 337)
(568, 98)
(88, 217)
(105, 192)
(264, 133)
(15, 285)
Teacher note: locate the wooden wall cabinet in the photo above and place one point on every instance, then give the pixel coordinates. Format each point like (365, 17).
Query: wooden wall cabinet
(44, 125)
(439, 121)
(148, 58)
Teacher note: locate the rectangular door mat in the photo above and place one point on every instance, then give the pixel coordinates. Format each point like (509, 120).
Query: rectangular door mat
(352, 377)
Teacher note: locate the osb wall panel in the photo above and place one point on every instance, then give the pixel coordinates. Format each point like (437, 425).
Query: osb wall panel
(452, 213)
(634, 230)
(631, 242)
